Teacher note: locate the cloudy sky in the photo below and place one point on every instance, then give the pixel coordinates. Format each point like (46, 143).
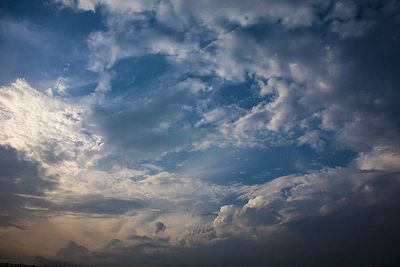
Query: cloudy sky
(206, 133)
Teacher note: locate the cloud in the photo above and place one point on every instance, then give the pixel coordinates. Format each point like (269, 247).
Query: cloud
(146, 126)
(380, 158)
(113, 244)
(305, 219)
(53, 131)
(312, 138)
(159, 228)
(72, 250)
(93, 205)
(45, 127)
(24, 183)
(345, 22)
(212, 116)
(59, 135)
(176, 152)
(291, 14)
(301, 76)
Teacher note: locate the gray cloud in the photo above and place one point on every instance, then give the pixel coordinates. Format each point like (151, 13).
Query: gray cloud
(159, 228)
(23, 183)
(337, 217)
(147, 127)
(72, 250)
(287, 200)
(93, 204)
(304, 76)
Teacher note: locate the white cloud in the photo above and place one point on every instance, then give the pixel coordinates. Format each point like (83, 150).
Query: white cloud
(312, 138)
(215, 13)
(51, 130)
(45, 127)
(212, 116)
(380, 158)
(173, 188)
(282, 68)
(114, 5)
(104, 51)
(284, 200)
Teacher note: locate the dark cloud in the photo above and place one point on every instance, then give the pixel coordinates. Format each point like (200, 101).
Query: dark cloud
(72, 250)
(141, 250)
(113, 244)
(21, 176)
(93, 204)
(159, 228)
(363, 231)
(23, 183)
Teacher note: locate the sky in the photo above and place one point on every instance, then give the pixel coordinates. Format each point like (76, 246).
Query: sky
(200, 133)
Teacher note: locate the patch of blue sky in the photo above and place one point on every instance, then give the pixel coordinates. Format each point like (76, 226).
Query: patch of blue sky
(41, 43)
(68, 22)
(243, 94)
(137, 75)
(252, 165)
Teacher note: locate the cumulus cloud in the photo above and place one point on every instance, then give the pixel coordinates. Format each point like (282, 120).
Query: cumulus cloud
(279, 224)
(380, 158)
(280, 60)
(289, 199)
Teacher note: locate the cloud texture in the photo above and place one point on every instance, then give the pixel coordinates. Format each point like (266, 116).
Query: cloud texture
(211, 133)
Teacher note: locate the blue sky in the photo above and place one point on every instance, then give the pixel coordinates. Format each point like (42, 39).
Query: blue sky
(178, 129)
